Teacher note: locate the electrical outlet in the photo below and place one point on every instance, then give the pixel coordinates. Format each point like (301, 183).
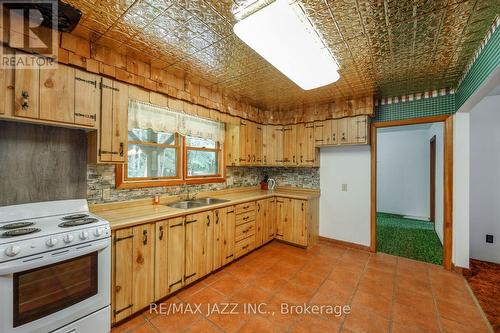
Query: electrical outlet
(489, 238)
(344, 187)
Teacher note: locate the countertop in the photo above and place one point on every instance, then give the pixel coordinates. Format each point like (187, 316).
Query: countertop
(134, 212)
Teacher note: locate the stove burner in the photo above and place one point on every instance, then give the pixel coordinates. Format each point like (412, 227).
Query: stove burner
(17, 225)
(74, 217)
(19, 232)
(75, 223)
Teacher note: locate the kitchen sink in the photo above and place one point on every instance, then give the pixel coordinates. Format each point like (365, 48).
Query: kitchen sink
(187, 204)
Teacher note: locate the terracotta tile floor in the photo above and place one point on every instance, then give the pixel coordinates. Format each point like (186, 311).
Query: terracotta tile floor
(384, 294)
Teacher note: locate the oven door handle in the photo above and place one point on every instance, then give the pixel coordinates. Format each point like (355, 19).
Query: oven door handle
(52, 257)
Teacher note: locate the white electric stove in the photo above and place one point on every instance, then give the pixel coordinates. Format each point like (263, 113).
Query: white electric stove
(54, 268)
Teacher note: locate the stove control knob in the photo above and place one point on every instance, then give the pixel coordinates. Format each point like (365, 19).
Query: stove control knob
(98, 232)
(84, 235)
(52, 241)
(68, 238)
(12, 250)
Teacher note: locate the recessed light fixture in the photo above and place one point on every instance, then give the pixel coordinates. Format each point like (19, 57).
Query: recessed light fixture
(282, 34)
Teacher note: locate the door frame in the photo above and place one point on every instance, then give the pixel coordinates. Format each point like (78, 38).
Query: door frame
(432, 179)
(447, 186)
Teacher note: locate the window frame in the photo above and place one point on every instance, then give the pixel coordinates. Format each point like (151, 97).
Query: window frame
(123, 182)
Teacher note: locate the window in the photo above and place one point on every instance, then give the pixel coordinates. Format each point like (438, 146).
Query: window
(161, 156)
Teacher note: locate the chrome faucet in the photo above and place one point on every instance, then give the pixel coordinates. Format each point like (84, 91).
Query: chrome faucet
(188, 197)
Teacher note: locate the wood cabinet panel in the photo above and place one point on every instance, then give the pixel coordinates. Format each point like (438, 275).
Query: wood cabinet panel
(244, 207)
(122, 274)
(161, 259)
(244, 144)
(143, 266)
(319, 127)
(261, 222)
(219, 217)
(244, 230)
(176, 253)
(199, 246)
(270, 225)
(342, 130)
(87, 98)
(352, 130)
(244, 246)
(232, 144)
(27, 92)
(289, 145)
(258, 144)
(228, 229)
(57, 94)
(299, 223)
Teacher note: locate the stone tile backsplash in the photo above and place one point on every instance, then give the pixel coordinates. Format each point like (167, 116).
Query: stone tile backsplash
(101, 182)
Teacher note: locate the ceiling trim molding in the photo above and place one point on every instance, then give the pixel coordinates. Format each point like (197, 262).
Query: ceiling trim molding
(414, 97)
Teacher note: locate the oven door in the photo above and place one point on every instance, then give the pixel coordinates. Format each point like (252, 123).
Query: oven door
(45, 292)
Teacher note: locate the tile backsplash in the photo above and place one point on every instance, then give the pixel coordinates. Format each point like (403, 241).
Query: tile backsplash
(101, 182)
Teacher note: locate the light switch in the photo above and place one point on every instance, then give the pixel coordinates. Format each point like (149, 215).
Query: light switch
(344, 187)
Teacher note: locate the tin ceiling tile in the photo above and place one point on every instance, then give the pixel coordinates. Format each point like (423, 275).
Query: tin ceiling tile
(384, 47)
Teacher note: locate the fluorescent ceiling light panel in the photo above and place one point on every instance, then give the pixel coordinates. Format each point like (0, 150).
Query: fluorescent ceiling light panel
(283, 36)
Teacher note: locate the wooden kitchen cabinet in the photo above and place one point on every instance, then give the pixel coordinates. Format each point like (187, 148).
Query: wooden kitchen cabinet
(284, 219)
(176, 237)
(161, 259)
(57, 94)
(330, 132)
(199, 246)
(270, 221)
(244, 144)
(133, 274)
(319, 127)
(258, 151)
(271, 144)
(306, 149)
(224, 228)
(232, 145)
(289, 145)
(358, 130)
(87, 98)
(111, 146)
(265, 221)
(297, 221)
(299, 224)
(27, 92)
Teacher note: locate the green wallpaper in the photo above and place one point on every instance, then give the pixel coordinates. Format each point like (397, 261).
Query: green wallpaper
(424, 107)
(487, 61)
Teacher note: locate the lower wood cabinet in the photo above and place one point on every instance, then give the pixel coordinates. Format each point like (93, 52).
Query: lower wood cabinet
(153, 260)
(133, 274)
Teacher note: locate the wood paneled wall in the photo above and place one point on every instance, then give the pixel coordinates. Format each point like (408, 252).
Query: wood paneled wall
(41, 163)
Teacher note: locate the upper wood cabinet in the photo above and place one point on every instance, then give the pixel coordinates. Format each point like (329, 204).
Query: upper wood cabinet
(57, 92)
(87, 98)
(27, 93)
(244, 144)
(306, 149)
(346, 131)
(111, 145)
(289, 145)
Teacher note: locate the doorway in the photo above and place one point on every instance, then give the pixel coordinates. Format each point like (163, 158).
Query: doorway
(445, 182)
(432, 177)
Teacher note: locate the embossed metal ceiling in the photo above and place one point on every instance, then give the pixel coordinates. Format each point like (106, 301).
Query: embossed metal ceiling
(385, 47)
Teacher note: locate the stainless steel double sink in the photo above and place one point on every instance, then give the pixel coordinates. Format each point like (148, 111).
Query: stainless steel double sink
(195, 203)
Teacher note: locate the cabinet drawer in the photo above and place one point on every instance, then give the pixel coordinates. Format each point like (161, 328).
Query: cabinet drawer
(245, 230)
(245, 217)
(244, 246)
(244, 207)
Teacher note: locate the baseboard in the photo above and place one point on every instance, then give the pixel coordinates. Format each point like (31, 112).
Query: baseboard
(345, 244)
(459, 270)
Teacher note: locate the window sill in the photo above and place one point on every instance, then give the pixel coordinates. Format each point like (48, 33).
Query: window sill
(121, 184)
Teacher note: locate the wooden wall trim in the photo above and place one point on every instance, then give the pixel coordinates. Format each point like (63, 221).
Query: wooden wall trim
(448, 181)
(344, 243)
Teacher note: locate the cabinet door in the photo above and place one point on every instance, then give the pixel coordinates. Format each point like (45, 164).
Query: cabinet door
(310, 142)
(362, 129)
(260, 222)
(284, 219)
(232, 144)
(299, 223)
(176, 253)
(258, 144)
(301, 137)
(228, 228)
(319, 127)
(352, 131)
(280, 211)
(219, 216)
(199, 246)
(114, 113)
(122, 273)
(267, 144)
(161, 259)
(289, 145)
(343, 125)
(334, 133)
(87, 98)
(27, 92)
(279, 153)
(143, 266)
(57, 94)
(244, 156)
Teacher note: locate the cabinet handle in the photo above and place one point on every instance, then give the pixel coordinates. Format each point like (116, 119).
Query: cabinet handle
(125, 308)
(232, 211)
(229, 256)
(145, 237)
(246, 218)
(177, 225)
(309, 160)
(244, 247)
(121, 148)
(101, 152)
(25, 96)
(333, 137)
(254, 158)
(216, 217)
(161, 232)
(208, 220)
(190, 221)
(246, 207)
(258, 206)
(188, 276)
(89, 116)
(118, 239)
(302, 207)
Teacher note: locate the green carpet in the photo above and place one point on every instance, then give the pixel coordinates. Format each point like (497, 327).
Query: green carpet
(408, 238)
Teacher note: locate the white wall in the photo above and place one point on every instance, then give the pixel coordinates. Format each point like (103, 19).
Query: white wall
(345, 215)
(460, 243)
(403, 170)
(437, 129)
(485, 179)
